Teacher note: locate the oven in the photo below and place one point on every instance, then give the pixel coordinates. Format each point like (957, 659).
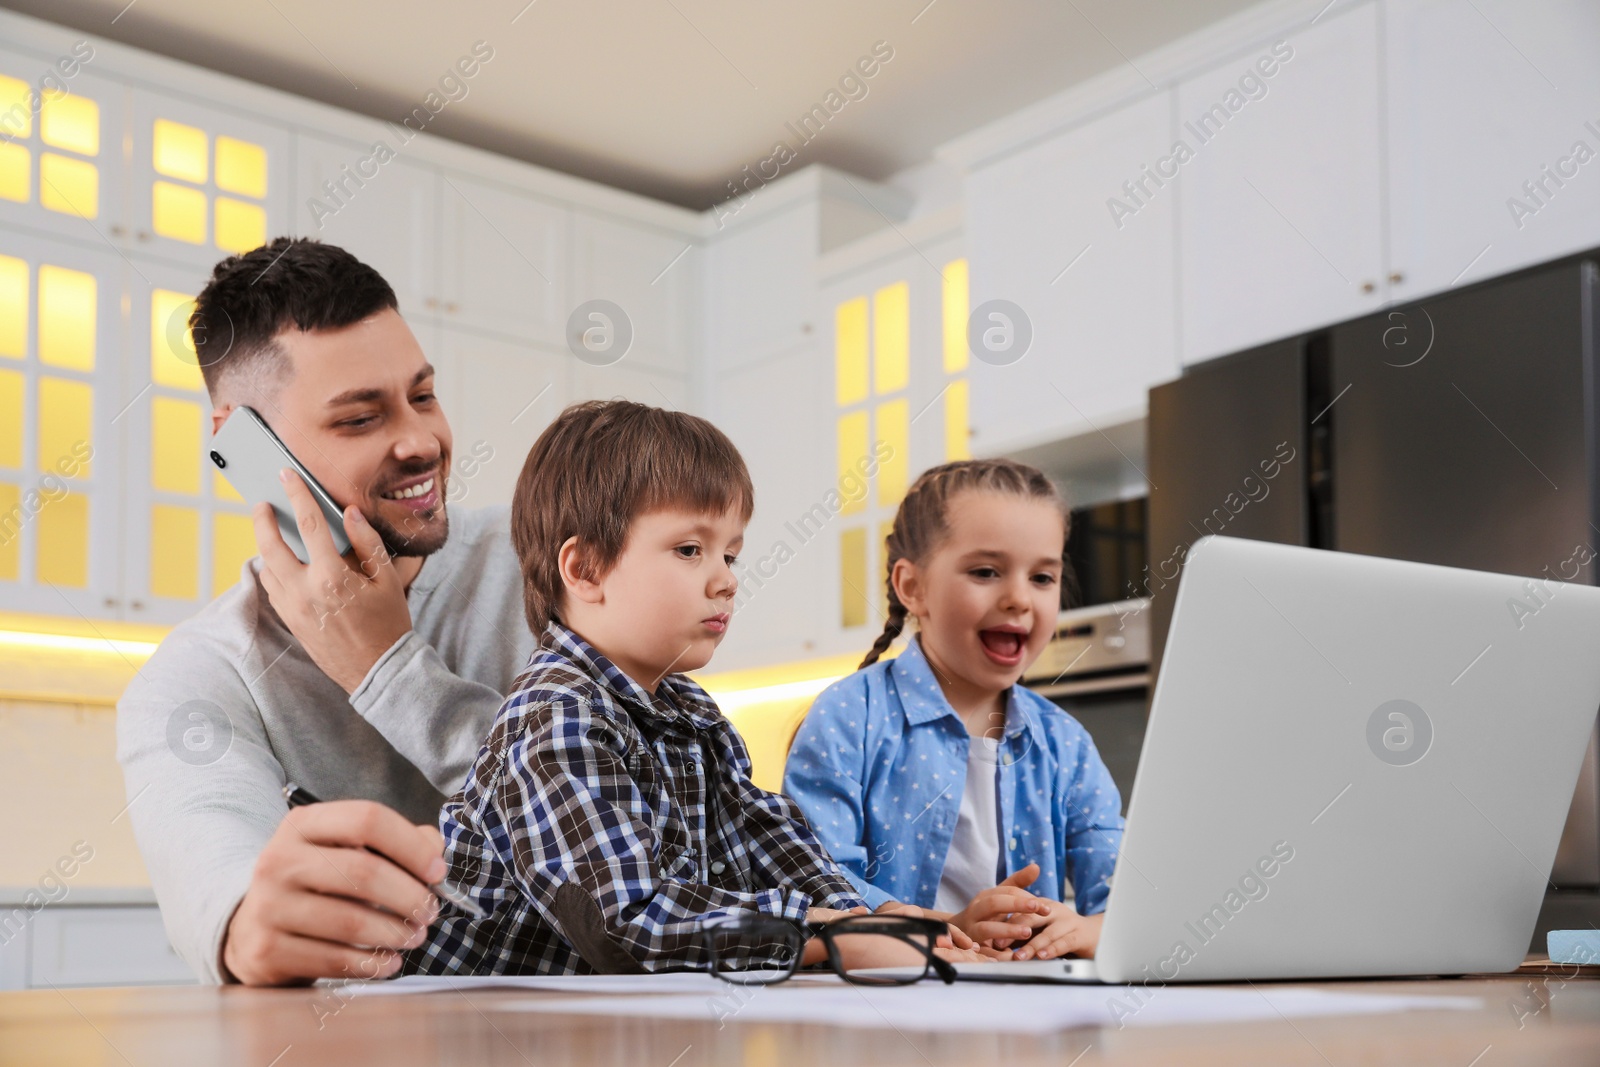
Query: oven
(1097, 669)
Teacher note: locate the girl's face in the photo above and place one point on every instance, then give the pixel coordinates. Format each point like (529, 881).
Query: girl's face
(987, 598)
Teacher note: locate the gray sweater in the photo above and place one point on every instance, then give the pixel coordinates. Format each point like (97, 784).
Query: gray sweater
(231, 706)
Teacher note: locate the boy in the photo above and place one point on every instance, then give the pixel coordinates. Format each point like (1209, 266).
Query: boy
(611, 811)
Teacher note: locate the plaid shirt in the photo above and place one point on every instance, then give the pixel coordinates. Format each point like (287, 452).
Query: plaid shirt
(644, 802)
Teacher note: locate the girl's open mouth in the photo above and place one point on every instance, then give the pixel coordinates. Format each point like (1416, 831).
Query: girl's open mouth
(1003, 646)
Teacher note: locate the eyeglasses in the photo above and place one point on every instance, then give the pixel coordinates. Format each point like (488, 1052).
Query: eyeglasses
(753, 949)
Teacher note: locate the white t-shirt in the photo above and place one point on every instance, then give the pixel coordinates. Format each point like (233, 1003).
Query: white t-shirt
(973, 862)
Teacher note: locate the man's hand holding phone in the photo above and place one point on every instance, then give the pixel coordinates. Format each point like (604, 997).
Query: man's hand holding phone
(346, 612)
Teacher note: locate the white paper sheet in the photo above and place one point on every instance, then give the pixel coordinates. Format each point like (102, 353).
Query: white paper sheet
(926, 1006)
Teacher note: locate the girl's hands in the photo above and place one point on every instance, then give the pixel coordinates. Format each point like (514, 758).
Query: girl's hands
(1001, 913)
(956, 938)
(1066, 933)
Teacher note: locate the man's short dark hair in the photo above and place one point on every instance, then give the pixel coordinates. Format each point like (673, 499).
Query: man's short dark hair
(289, 282)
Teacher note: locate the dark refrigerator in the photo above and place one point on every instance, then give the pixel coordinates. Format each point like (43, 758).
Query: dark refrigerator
(1459, 430)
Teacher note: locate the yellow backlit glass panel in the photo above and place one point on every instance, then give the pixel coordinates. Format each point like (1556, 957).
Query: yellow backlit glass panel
(70, 186)
(852, 578)
(178, 212)
(13, 308)
(11, 385)
(850, 351)
(894, 430)
(16, 181)
(72, 122)
(957, 444)
(955, 316)
(63, 540)
(174, 367)
(66, 415)
(880, 575)
(66, 317)
(179, 151)
(852, 462)
(16, 107)
(241, 167)
(233, 540)
(10, 534)
(221, 489)
(175, 445)
(891, 337)
(240, 226)
(174, 552)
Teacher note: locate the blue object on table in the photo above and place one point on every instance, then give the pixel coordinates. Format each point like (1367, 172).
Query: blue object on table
(1574, 946)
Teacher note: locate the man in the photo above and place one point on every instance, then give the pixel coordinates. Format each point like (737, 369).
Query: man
(370, 680)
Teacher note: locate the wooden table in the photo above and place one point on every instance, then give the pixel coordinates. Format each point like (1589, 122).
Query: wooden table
(1524, 1021)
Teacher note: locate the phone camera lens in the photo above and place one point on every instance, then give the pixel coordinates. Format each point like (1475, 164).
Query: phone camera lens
(216, 457)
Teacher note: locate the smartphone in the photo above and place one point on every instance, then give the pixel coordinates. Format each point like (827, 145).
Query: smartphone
(250, 456)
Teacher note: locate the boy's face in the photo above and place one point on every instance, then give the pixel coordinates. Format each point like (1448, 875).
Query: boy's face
(665, 605)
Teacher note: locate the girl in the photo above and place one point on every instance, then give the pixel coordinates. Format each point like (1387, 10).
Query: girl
(934, 779)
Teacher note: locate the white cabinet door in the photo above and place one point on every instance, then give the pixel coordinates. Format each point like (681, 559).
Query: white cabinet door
(185, 533)
(505, 260)
(204, 182)
(98, 946)
(651, 275)
(1494, 136)
(61, 166)
(1095, 289)
(762, 288)
(61, 393)
(1280, 220)
(501, 397)
(383, 213)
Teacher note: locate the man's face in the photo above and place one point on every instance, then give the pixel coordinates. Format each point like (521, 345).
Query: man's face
(357, 408)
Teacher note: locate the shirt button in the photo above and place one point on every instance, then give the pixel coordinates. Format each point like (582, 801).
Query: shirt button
(1013, 842)
(717, 866)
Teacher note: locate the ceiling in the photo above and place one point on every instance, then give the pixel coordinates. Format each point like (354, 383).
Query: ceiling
(669, 98)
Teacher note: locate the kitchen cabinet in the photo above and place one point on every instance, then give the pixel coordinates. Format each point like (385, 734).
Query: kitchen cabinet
(1281, 207)
(61, 394)
(504, 264)
(204, 182)
(761, 286)
(386, 214)
(1094, 287)
(650, 274)
(501, 396)
(1493, 125)
(61, 163)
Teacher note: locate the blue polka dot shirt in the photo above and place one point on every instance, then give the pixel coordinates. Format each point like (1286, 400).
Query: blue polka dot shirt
(880, 763)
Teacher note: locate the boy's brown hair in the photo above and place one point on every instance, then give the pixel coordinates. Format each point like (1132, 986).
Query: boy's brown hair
(596, 468)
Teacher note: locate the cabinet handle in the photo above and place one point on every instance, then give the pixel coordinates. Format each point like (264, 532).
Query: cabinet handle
(136, 605)
(452, 307)
(1396, 277)
(1369, 287)
(119, 230)
(432, 302)
(111, 601)
(143, 235)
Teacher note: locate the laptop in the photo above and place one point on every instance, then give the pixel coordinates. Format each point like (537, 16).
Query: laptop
(1353, 767)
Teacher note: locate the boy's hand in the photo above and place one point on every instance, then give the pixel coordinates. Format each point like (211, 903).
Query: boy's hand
(996, 914)
(1067, 933)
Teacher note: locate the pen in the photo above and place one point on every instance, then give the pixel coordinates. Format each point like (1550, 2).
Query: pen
(443, 888)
